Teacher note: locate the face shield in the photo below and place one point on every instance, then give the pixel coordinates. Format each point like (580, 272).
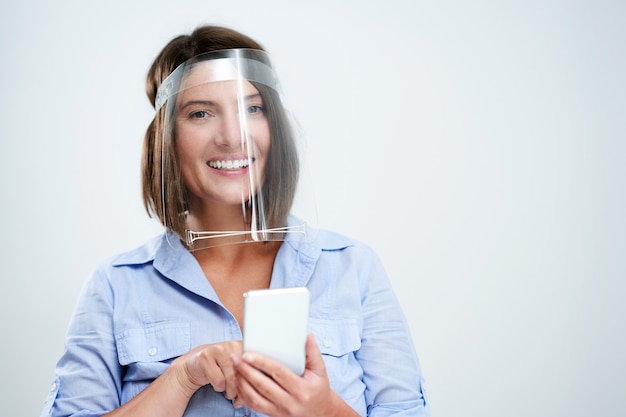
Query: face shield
(229, 160)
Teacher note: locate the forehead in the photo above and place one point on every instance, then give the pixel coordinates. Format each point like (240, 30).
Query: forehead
(211, 71)
(219, 92)
(216, 79)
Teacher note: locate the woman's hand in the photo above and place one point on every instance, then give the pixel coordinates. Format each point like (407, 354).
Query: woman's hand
(169, 394)
(268, 387)
(209, 365)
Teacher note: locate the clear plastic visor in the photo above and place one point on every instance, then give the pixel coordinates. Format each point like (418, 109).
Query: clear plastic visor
(229, 160)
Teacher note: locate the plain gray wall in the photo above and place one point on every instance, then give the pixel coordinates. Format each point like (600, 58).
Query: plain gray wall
(478, 146)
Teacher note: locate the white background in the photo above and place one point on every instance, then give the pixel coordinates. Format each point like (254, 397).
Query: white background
(478, 146)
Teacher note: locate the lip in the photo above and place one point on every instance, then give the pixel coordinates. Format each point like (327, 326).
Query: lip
(230, 165)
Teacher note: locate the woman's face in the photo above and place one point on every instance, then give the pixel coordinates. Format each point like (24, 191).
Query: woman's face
(222, 141)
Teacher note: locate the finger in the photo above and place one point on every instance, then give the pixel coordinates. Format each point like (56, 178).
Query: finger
(238, 401)
(269, 368)
(314, 361)
(227, 367)
(218, 367)
(212, 370)
(254, 389)
(228, 370)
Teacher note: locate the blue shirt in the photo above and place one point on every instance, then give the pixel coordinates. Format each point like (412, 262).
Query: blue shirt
(142, 309)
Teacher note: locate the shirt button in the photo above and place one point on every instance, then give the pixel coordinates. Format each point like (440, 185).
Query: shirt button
(53, 386)
(152, 351)
(326, 343)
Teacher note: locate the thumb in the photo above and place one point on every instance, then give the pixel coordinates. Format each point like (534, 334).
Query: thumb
(314, 361)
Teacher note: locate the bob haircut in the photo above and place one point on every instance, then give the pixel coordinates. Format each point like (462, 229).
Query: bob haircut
(281, 170)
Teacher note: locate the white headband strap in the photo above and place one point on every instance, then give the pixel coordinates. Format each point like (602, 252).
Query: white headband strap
(234, 67)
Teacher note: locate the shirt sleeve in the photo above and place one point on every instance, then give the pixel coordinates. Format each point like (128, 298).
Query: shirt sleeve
(88, 375)
(391, 369)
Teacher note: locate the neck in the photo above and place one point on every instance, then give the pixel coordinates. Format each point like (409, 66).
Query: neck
(219, 217)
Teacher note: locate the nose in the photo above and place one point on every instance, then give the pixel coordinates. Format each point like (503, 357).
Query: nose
(231, 131)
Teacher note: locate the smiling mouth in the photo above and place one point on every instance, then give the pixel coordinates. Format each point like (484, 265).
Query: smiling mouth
(231, 164)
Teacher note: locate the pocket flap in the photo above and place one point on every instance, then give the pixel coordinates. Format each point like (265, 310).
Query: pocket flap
(153, 343)
(336, 337)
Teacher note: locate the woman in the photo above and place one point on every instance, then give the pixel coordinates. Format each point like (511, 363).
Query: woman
(157, 331)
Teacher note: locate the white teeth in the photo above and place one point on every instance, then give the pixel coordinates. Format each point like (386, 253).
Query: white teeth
(230, 164)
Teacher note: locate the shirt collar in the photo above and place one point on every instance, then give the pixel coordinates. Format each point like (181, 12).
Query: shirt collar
(295, 261)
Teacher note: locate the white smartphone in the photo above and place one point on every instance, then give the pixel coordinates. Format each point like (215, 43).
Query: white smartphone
(275, 324)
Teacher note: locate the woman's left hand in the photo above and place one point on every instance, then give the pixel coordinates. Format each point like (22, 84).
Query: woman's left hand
(268, 387)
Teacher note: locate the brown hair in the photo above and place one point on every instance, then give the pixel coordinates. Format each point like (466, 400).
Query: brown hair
(158, 167)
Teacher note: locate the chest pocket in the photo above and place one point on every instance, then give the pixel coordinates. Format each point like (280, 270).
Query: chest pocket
(336, 337)
(339, 340)
(147, 351)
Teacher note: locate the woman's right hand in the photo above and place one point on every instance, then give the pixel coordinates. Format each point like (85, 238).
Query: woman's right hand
(209, 365)
(169, 394)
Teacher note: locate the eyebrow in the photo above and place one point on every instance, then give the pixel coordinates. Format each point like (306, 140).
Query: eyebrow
(213, 103)
(197, 103)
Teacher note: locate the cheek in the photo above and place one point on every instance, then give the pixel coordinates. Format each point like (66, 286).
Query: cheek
(182, 154)
(263, 138)
(185, 143)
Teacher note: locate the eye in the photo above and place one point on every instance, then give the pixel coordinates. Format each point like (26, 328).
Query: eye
(200, 114)
(255, 109)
